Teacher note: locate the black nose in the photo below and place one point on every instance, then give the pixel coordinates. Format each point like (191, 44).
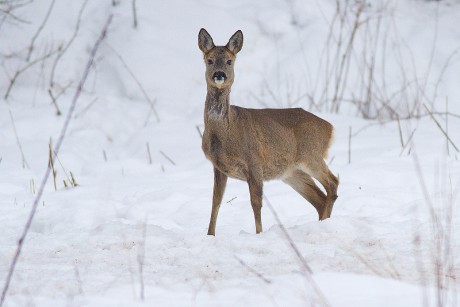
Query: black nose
(219, 75)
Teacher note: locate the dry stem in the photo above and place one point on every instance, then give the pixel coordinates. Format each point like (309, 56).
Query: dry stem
(24, 161)
(56, 150)
(40, 28)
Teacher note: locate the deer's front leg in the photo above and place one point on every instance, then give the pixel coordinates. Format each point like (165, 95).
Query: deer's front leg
(220, 181)
(255, 191)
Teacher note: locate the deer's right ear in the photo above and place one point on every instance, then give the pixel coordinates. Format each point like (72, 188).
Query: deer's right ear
(205, 41)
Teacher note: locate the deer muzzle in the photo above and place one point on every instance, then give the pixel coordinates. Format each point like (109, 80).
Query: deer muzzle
(219, 77)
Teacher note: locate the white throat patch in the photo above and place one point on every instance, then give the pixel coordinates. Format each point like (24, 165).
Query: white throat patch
(216, 112)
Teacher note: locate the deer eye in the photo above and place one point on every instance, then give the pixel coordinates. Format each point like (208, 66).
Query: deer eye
(210, 62)
(229, 62)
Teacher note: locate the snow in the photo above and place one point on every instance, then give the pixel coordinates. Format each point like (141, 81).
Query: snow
(86, 243)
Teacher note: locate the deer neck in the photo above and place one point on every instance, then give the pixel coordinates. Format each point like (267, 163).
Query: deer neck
(217, 106)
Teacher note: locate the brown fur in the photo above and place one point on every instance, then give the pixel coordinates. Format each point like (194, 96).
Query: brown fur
(256, 145)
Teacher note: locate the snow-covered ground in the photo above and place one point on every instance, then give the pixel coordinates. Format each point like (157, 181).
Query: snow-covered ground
(397, 210)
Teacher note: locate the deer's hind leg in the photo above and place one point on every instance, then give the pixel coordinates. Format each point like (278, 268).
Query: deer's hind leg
(321, 172)
(303, 184)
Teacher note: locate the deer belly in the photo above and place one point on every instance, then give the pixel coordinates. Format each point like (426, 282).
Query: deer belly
(223, 160)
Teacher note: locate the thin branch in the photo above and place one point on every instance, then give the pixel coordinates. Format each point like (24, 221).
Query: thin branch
(64, 49)
(14, 17)
(308, 272)
(134, 14)
(51, 164)
(141, 258)
(408, 142)
(199, 131)
(440, 128)
(146, 96)
(349, 144)
(85, 109)
(447, 125)
(24, 161)
(53, 100)
(148, 152)
(401, 139)
(56, 151)
(40, 28)
(21, 70)
(168, 158)
(304, 263)
(230, 201)
(56, 157)
(244, 264)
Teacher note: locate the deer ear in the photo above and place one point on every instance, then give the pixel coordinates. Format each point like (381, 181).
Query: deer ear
(235, 42)
(205, 41)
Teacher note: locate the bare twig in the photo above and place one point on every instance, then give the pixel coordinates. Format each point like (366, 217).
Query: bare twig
(32, 186)
(302, 260)
(447, 125)
(9, 7)
(408, 142)
(260, 276)
(53, 99)
(51, 164)
(349, 145)
(148, 152)
(85, 109)
(230, 201)
(400, 132)
(66, 46)
(134, 14)
(24, 161)
(130, 72)
(72, 180)
(440, 128)
(378, 269)
(40, 28)
(141, 257)
(199, 131)
(168, 158)
(56, 150)
(443, 71)
(342, 71)
(24, 68)
(441, 252)
(307, 270)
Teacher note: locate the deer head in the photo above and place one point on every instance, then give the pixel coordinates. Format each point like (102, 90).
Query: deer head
(219, 60)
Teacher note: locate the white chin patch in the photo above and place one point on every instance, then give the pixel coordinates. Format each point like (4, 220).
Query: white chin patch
(219, 81)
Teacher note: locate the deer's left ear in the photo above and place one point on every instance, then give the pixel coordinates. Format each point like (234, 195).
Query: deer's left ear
(235, 42)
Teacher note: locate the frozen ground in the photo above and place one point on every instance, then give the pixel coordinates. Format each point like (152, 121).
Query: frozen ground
(86, 243)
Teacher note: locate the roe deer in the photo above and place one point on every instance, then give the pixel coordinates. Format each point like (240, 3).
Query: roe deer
(255, 145)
